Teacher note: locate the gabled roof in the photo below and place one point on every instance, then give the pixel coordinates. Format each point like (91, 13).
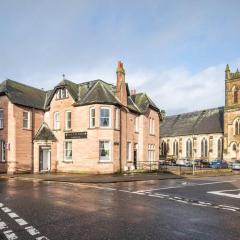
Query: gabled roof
(96, 91)
(99, 92)
(143, 102)
(45, 134)
(22, 94)
(199, 122)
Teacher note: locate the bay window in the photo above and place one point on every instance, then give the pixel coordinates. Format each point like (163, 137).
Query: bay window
(92, 117)
(104, 117)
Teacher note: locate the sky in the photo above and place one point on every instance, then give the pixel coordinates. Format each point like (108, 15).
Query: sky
(175, 51)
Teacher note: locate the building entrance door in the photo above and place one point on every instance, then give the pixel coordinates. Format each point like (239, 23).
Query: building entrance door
(45, 159)
(135, 155)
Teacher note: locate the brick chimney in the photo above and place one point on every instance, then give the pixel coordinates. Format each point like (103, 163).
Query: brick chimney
(121, 85)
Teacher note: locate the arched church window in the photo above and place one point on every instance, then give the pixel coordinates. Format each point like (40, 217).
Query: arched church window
(235, 95)
(234, 147)
(220, 148)
(163, 149)
(189, 148)
(237, 127)
(175, 148)
(204, 148)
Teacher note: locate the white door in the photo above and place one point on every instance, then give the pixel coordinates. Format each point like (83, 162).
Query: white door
(46, 158)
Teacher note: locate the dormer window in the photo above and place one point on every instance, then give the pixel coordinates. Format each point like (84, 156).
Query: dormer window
(62, 93)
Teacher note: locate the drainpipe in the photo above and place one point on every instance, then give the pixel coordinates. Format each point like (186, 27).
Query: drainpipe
(33, 128)
(120, 142)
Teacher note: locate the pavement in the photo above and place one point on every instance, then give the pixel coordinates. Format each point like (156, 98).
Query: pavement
(182, 208)
(113, 178)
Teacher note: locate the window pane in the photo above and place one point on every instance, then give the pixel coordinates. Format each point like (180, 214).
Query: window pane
(104, 150)
(104, 117)
(68, 120)
(68, 151)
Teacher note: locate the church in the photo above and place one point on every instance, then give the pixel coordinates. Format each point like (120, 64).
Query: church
(207, 134)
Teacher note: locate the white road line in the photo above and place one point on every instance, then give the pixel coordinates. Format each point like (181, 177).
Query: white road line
(42, 238)
(224, 193)
(3, 225)
(13, 215)
(227, 206)
(21, 221)
(32, 231)
(152, 195)
(163, 195)
(206, 203)
(10, 235)
(126, 191)
(190, 185)
(1, 205)
(6, 209)
(229, 209)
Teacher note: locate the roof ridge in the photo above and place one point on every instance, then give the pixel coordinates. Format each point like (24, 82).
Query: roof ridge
(185, 113)
(23, 84)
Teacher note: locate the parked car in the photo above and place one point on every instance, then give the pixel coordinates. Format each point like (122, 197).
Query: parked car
(184, 162)
(236, 165)
(218, 164)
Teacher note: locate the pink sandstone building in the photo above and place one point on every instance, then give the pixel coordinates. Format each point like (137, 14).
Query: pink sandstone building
(92, 127)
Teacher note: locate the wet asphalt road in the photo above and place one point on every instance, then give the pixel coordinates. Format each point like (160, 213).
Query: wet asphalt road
(165, 209)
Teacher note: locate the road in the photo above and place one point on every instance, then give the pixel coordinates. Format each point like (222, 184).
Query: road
(204, 208)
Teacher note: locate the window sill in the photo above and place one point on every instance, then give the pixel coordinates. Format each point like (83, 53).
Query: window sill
(68, 130)
(104, 162)
(55, 130)
(152, 135)
(28, 129)
(67, 161)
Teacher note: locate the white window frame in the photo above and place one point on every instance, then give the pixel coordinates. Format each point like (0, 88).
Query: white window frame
(102, 108)
(1, 118)
(129, 152)
(117, 118)
(60, 92)
(3, 151)
(66, 158)
(91, 117)
(151, 126)
(56, 124)
(136, 123)
(151, 152)
(67, 120)
(26, 119)
(110, 152)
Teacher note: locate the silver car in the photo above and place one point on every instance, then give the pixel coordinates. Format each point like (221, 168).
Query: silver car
(236, 165)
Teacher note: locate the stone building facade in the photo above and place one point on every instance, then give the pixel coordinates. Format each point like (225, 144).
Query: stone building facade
(92, 127)
(208, 134)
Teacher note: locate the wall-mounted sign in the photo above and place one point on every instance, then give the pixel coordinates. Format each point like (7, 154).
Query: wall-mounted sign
(75, 135)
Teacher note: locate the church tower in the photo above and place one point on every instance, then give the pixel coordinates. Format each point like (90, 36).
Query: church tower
(232, 115)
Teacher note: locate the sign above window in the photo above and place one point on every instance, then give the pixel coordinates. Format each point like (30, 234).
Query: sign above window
(75, 135)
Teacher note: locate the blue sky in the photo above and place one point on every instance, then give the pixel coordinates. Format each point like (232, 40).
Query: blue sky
(176, 51)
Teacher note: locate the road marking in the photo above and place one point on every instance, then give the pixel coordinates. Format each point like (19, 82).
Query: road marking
(13, 215)
(227, 206)
(10, 235)
(3, 225)
(226, 194)
(188, 185)
(21, 221)
(32, 231)
(6, 209)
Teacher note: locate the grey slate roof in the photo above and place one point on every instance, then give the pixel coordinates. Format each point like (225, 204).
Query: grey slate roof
(45, 133)
(96, 91)
(199, 122)
(22, 94)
